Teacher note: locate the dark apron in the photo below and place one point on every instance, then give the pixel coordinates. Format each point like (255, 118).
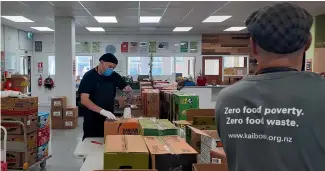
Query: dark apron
(103, 95)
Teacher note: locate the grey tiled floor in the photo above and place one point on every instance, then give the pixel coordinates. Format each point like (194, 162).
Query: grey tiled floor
(63, 145)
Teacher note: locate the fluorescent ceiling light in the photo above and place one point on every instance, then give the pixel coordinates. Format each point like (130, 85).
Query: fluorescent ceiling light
(182, 28)
(150, 19)
(216, 19)
(235, 28)
(42, 28)
(106, 19)
(95, 28)
(18, 19)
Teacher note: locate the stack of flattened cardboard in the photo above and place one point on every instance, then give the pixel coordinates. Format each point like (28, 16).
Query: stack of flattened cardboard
(170, 153)
(157, 127)
(25, 111)
(125, 152)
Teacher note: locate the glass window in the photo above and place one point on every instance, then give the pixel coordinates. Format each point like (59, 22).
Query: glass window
(51, 60)
(234, 61)
(185, 66)
(84, 64)
(211, 67)
(140, 66)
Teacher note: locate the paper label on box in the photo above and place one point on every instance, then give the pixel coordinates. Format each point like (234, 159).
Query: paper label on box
(57, 103)
(68, 123)
(69, 113)
(28, 123)
(57, 113)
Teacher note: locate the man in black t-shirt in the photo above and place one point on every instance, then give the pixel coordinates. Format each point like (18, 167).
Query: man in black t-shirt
(97, 91)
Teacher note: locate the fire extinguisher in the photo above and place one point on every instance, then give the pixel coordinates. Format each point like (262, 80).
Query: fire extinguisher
(40, 81)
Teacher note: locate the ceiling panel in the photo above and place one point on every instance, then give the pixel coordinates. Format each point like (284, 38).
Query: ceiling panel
(177, 13)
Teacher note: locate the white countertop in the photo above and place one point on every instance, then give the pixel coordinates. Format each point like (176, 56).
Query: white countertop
(94, 161)
(86, 147)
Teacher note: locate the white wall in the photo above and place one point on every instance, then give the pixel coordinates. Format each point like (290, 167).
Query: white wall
(116, 40)
(14, 43)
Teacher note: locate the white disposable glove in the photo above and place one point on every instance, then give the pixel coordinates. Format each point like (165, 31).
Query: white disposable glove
(108, 114)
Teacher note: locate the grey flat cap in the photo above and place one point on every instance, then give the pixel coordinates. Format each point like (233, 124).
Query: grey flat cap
(280, 28)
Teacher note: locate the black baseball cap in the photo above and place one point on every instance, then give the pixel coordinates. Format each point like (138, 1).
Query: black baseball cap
(108, 57)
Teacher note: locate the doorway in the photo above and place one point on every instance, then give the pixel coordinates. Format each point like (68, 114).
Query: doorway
(25, 68)
(212, 69)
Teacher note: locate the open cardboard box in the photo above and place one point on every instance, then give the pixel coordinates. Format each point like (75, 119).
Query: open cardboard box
(210, 167)
(170, 153)
(125, 152)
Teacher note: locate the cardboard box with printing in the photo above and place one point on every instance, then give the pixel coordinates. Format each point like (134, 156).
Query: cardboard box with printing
(15, 160)
(219, 153)
(125, 152)
(30, 121)
(184, 102)
(70, 123)
(57, 113)
(42, 151)
(210, 167)
(193, 137)
(59, 102)
(44, 119)
(19, 106)
(209, 141)
(170, 153)
(43, 136)
(16, 142)
(157, 127)
(203, 119)
(70, 112)
(121, 127)
(151, 103)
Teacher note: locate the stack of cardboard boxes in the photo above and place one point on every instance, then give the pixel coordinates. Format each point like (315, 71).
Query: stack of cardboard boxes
(63, 116)
(146, 143)
(23, 110)
(43, 135)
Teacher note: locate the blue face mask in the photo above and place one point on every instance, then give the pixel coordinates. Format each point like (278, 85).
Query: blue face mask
(108, 72)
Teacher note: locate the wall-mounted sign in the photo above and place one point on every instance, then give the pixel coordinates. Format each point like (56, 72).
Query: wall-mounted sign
(184, 46)
(193, 46)
(152, 47)
(125, 47)
(40, 67)
(134, 47)
(38, 46)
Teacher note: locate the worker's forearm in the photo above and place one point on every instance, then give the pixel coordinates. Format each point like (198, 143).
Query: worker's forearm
(91, 106)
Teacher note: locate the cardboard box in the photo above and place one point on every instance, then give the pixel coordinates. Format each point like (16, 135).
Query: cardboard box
(157, 127)
(184, 102)
(70, 123)
(181, 124)
(203, 119)
(210, 167)
(170, 153)
(42, 152)
(137, 112)
(59, 102)
(219, 153)
(43, 136)
(57, 123)
(15, 160)
(44, 119)
(121, 127)
(56, 113)
(125, 152)
(16, 142)
(209, 141)
(151, 103)
(30, 121)
(70, 112)
(193, 137)
(19, 106)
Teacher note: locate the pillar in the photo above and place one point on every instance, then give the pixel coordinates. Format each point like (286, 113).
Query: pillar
(65, 66)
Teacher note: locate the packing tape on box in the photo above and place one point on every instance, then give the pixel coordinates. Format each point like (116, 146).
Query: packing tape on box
(160, 127)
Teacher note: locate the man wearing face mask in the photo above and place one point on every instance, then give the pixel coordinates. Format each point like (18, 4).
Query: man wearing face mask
(97, 92)
(274, 120)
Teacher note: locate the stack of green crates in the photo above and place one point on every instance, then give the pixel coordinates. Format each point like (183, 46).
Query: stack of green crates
(183, 102)
(157, 127)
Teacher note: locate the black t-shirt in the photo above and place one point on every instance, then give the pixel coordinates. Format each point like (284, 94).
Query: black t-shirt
(102, 91)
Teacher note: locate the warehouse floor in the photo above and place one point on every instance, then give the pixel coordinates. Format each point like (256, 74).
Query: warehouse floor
(64, 143)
